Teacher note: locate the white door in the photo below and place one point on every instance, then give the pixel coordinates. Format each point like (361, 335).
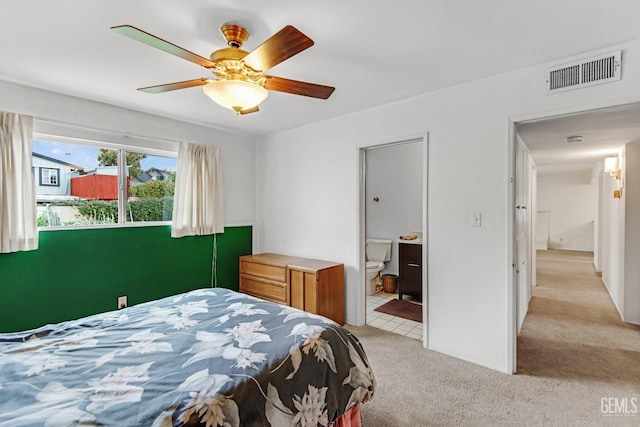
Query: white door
(523, 248)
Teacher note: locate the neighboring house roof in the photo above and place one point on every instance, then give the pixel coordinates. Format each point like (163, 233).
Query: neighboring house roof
(150, 174)
(51, 159)
(142, 178)
(159, 172)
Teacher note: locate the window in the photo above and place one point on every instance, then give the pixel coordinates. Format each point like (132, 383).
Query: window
(151, 186)
(88, 185)
(49, 176)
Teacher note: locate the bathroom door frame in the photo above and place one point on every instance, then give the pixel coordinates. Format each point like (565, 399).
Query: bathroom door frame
(360, 292)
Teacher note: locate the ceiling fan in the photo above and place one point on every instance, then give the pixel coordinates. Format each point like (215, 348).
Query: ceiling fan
(238, 82)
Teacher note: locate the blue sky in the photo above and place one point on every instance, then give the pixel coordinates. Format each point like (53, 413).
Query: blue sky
(86, 156)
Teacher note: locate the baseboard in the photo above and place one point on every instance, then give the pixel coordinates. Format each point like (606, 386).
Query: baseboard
(598, 273)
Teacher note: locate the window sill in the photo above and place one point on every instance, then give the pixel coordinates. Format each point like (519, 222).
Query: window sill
(102, 226)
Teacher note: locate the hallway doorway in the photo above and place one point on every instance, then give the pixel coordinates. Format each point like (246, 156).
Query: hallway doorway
(587, 208)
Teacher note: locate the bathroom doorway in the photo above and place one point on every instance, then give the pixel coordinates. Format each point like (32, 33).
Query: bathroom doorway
(394, 213)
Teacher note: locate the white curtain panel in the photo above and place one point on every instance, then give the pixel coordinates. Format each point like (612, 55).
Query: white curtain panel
(18, 226)
(197, 203)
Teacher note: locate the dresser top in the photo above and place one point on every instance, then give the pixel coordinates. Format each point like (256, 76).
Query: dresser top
(289, 261)
(313, 264)
(271, 259)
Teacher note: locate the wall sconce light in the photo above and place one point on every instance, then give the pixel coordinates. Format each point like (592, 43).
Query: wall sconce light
(613, 168)
(611, 165)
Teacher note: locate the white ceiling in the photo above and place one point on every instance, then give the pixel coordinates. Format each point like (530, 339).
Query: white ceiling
(374, 52)
(604, 133)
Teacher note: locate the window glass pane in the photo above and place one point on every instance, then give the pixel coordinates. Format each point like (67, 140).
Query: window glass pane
(151, 184)
(75, 184)
(49, 176)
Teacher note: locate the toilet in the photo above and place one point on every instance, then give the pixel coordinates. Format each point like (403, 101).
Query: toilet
(378, 252)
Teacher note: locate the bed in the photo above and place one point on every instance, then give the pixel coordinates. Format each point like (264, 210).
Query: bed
(209, 357)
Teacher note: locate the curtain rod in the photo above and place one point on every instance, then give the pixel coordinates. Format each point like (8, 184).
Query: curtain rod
(126, 135)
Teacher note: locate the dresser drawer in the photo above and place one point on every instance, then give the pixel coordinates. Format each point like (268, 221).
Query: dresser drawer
(265, 289)
(272, 272)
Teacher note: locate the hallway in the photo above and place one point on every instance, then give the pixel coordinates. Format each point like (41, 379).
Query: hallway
(573, 331)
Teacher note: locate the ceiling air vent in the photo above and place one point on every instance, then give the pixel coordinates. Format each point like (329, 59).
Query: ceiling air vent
(587, 72)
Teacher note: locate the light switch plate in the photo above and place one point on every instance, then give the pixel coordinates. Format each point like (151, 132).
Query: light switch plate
(476, 219)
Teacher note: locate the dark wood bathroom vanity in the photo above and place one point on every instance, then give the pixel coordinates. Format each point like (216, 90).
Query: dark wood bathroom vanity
(410, 269)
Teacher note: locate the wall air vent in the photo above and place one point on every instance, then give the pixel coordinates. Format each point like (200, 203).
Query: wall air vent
(586, 72)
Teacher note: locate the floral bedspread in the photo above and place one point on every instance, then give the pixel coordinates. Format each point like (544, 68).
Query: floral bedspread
(210, 357)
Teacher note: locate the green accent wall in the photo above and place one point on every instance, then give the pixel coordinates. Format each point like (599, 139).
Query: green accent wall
(75, 273)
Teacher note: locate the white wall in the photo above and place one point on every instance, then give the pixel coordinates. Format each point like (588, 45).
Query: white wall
(613, 240)
(394, 176)
(571, 203)
(597, 178)
(631, 194)
(238, 152)
(533, 224)
(308, 196)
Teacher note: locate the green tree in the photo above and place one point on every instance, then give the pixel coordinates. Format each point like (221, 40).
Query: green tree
(110, 158)
(157, 189)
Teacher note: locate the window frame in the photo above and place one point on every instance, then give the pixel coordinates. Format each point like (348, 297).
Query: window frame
(121, 149)
(57, 175)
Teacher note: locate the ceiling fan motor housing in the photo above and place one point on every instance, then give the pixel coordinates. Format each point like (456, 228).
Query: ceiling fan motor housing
(234, 34)
(229, 66)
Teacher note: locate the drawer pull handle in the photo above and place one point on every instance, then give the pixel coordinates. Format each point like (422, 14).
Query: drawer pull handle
(413, 265)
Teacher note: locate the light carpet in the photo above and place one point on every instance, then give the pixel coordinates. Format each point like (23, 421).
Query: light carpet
(573, 351)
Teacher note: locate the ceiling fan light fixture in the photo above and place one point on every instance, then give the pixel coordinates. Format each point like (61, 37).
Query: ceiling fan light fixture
(236, 95)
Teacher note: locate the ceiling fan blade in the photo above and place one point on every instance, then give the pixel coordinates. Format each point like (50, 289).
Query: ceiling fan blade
(158, 43)
(298, 88)
(249, 110)
(282, 45)
(174, 86)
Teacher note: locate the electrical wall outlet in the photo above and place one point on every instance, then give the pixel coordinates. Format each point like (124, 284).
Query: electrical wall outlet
(122, 302)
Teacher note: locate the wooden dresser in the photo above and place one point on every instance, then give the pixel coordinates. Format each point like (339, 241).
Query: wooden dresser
(311, 285)
(410, 269)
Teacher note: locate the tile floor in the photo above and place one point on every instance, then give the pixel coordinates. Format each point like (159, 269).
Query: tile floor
(390, 323)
